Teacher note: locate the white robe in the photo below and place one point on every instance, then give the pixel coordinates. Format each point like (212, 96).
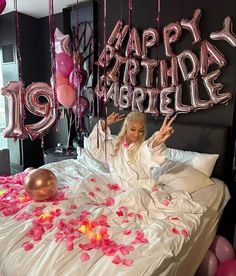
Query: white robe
(136, 172)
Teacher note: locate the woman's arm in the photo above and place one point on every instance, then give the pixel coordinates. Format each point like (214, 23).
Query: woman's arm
(112, 119)
(164, 133)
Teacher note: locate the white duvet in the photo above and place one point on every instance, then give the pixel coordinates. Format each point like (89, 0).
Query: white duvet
(97, 225)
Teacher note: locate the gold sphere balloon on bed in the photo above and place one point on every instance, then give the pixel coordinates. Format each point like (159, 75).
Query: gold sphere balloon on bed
(41, 184)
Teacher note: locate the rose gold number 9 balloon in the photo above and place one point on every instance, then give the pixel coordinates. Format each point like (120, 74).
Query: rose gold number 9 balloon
(46, 110)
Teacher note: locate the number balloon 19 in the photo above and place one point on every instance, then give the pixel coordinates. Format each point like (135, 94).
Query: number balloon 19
(17, 97)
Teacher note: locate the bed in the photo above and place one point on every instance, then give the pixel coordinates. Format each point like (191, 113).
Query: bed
(96, 225)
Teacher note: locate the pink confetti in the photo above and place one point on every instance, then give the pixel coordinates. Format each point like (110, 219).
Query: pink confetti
(84, 257)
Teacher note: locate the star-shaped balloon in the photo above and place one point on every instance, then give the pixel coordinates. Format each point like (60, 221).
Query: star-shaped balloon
(62, 42)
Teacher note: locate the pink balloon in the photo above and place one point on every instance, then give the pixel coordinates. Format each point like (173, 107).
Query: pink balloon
(64, 64)
(81, 107)
(60, 79)
(227, 268)
(84, 75)
(2, 5)
(208, 266)
(75, 78)
(66, 95)
(222, 248)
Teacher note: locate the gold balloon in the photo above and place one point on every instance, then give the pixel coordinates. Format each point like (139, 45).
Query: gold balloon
(41, 184)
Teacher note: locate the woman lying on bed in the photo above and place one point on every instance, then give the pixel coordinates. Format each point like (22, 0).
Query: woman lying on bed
(128, 154)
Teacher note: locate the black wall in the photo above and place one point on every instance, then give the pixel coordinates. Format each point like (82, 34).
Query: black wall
(213, 14)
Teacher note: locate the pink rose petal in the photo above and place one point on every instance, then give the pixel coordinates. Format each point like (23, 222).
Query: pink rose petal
(27, 246)
(84, 257)
(127, 232)
(165, 202)
(116, 260)
(175, 231)
(128, 262)
(184, 233)
(91, 194)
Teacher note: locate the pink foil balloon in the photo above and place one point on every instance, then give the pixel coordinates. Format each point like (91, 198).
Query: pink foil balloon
(60, 79)
(75, 78)
(66, 95)
(208, 266)
(64, 64)
(227, 268)
(222, 248)
(2, 5)
(82, 106)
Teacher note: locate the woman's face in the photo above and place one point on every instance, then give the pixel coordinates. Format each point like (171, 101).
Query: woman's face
(135, 130)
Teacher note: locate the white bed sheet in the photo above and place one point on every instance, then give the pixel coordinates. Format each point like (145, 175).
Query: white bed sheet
(215, 198)
(174, 261)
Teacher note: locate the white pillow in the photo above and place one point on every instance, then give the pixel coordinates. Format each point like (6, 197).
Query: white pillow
(203, 162)
(178, 176)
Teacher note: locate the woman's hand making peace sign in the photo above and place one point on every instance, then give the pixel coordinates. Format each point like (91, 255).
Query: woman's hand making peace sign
(112, 119)
(165, 131)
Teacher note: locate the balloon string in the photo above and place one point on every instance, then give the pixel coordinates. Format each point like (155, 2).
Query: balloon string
(53, 54)
(130, 8)
(158, 31)
(19, 58)
(98, 67)
(105, 72)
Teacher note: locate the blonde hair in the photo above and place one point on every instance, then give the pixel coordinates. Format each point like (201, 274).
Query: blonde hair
(131, 117)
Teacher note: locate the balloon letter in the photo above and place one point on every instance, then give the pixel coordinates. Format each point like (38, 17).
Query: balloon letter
(182, 64)
(214, 88)
(118, 34)
(170, 38)
(226, 34)
(150, 38)
(193, 25)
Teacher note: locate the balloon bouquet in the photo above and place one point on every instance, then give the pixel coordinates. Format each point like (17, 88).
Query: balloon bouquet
(70, 78)
(219, 260)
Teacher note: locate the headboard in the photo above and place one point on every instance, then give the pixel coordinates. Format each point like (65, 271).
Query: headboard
(195, 137)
